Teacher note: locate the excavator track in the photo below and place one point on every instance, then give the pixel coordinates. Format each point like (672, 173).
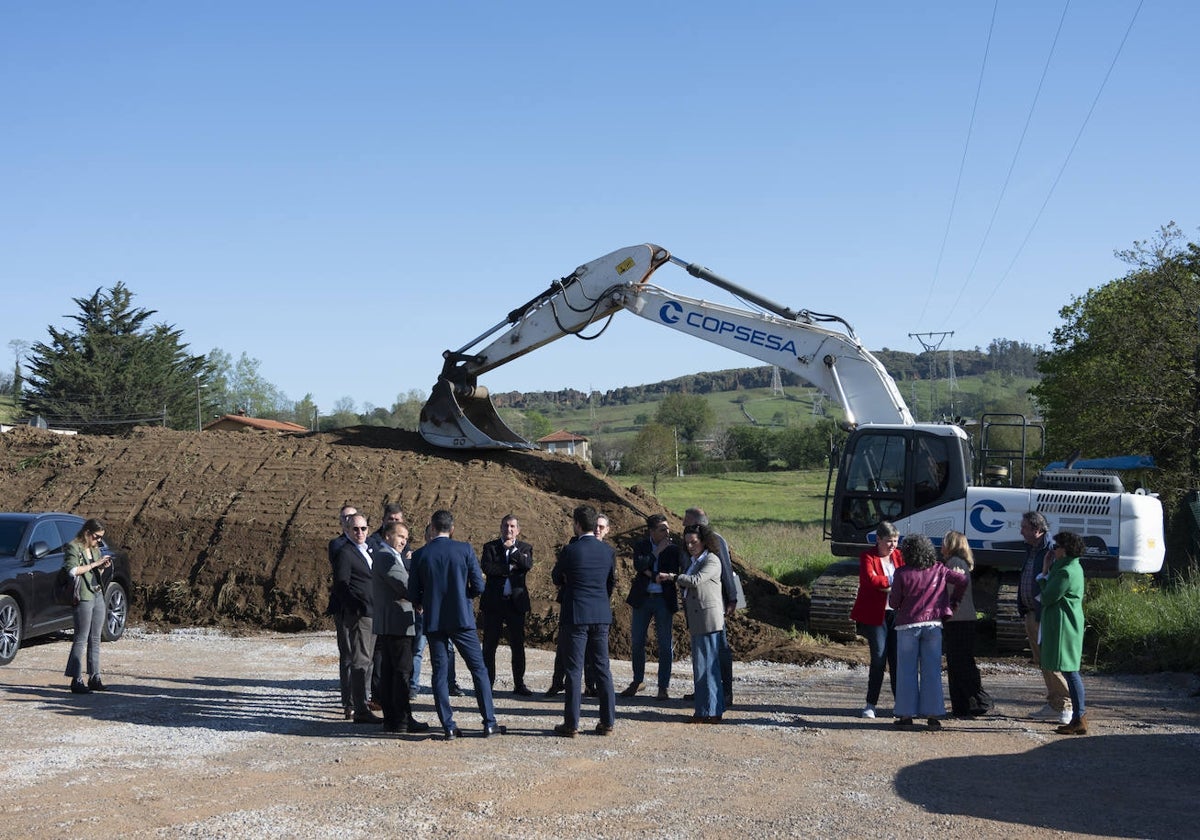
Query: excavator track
(832, 598)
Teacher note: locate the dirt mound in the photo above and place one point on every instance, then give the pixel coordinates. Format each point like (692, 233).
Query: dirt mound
(231, 528)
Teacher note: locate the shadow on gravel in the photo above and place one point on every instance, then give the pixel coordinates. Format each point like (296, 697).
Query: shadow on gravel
(297, 707)
(1106, 785)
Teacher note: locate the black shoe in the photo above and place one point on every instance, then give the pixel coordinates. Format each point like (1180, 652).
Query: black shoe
(96, 684)
(603, 729)
(554, 689)
(565, 731)
(395, 728)
(494, 729)
(591, 692)
(414, 725)
(367, 716)
(523, 690)
(455, 690)
(904, 721)
(691, 695)
(633, 689)
(77, 687)
(451, 733)
(934, 723)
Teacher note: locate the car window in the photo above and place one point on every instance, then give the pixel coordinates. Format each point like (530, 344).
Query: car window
(47, 533)
(10, 537)
(67, 529)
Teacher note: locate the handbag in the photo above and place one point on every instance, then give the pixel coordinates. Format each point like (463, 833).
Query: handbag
(66, 588)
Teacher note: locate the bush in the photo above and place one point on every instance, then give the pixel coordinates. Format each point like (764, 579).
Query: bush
(1138, 626)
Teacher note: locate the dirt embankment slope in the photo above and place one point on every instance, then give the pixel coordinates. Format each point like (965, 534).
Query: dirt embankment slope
(231, 528)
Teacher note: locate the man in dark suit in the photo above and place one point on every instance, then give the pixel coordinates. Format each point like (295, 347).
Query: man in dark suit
(333, 610)
(505, 600)
(652, 600)
(352, 587)
(445, 576)
(587, 572)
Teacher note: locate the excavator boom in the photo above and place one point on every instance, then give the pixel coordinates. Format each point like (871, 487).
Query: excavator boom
(460, 415)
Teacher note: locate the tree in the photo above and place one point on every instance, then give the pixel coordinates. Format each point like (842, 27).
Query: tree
(115, 372)
(755, 444)
(240, 387)
(653, 452)
(689, 414)
(19, 348)
(1121, 376)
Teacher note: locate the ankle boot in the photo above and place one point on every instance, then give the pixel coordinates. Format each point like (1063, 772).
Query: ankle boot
(1077, 726)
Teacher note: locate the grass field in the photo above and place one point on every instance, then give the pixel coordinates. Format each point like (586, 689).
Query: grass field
(772, 520)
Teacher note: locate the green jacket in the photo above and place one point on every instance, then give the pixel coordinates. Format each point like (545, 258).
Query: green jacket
(77, 555)
(1062, 616)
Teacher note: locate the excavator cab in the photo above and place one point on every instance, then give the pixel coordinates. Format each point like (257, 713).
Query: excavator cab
(889, 473)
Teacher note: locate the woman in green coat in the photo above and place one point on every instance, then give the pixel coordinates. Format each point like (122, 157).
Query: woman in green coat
(1062, 622)
(85, 559)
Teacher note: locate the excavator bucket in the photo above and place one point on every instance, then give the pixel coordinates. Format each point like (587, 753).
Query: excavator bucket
(459, 416)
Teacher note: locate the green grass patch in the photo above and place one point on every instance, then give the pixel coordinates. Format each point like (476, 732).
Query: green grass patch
(1137, 625)
(772, 520)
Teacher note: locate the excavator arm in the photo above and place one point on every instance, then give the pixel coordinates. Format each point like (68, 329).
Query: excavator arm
(460, 415)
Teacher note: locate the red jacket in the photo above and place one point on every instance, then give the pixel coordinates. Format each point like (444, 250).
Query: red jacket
(870, 605)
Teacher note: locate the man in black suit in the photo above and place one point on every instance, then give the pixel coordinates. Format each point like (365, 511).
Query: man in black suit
(353, 589)
(445, 576)
(334, 610)
(505, 600)
(587, 572)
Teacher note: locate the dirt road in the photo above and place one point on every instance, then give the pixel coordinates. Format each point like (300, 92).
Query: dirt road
(206, 735)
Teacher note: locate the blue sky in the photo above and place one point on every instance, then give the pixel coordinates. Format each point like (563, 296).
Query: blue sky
(343, 191)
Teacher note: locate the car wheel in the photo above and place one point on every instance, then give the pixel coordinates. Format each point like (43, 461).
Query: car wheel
(10, 629)
(116, 605)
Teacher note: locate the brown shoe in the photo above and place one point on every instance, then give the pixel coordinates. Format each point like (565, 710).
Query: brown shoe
(565, 731)
(602, 729)
(633, 689)
(1077, 726)
(374, 706)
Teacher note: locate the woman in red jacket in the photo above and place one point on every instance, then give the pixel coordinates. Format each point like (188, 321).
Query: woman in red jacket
(872, 613)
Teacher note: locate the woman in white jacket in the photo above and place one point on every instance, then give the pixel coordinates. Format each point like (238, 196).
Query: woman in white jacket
(704, 607)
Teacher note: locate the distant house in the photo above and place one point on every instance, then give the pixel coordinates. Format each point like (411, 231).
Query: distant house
(240, 422)
(568, 443)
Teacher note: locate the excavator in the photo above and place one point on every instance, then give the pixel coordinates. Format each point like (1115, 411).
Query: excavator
(921, 477)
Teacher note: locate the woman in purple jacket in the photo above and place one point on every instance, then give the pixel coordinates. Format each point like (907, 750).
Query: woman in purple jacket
(921, 601)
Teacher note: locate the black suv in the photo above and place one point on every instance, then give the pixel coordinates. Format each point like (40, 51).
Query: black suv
(31, 553)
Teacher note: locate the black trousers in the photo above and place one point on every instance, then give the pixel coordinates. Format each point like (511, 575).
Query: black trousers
(396, 666)
(495, 623)
(967, 696)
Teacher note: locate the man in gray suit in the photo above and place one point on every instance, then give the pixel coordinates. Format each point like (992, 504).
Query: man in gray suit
(394, 628)
(445, 576)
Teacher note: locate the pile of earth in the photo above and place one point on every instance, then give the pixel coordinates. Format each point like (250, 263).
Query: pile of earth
(231, 528)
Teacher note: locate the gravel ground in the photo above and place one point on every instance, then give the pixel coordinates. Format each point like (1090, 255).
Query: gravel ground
(207, 735)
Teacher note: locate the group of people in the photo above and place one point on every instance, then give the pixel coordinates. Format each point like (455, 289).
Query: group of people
(390, 604)
(911, 609)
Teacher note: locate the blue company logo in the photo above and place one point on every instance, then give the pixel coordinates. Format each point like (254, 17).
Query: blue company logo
(671, 311)
(983, 508)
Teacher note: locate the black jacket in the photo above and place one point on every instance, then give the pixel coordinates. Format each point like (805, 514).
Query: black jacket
(645, 566)
(499, 566)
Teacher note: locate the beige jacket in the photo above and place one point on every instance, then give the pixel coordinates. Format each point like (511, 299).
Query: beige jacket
(702, 600)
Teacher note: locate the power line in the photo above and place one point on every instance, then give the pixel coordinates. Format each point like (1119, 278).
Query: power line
(962, 164)
(1063, 168)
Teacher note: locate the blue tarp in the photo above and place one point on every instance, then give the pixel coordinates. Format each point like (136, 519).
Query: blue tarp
(1120, 462)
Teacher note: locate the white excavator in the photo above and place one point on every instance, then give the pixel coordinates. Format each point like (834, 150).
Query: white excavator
(918, 476)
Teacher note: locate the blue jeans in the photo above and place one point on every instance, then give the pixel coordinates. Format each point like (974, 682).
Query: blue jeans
(1075, 687)
(706, 672)
(881, 642)
(919, 672)
(655, 606)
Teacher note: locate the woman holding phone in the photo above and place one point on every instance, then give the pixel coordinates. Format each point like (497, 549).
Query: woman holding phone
(85, 559)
